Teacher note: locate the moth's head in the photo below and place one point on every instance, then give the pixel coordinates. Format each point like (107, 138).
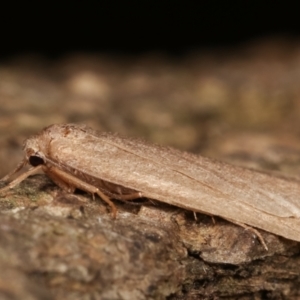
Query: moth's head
(34, 149)
(37, 147)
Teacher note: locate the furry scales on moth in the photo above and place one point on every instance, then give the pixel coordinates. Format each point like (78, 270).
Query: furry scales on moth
(75, 156)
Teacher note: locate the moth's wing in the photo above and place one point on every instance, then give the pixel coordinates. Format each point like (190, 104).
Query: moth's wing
(186, 180)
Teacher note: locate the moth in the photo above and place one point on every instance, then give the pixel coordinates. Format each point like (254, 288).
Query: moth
(76, 156)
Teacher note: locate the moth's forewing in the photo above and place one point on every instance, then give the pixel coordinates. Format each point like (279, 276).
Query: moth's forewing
(182, 179)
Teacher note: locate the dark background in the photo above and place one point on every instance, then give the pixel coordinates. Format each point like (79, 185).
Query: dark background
(129, 27)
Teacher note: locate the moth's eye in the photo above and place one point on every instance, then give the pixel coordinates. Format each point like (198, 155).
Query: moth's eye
(35, 160)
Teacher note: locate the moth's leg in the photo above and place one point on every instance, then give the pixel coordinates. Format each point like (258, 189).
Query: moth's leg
(73, 181)
(17, 169)
(118, 192)
(205, 213)
(115, 191)
(65, 186)
(20, 178)
(131, 196)
(195, 216)
(256, 232)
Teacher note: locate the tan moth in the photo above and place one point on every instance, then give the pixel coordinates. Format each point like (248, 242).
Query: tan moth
(75, 156)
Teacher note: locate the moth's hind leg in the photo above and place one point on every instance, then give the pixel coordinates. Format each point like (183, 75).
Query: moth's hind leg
(256, 232)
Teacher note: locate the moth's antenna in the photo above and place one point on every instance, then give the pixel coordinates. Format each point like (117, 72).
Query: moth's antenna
(22, 164)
